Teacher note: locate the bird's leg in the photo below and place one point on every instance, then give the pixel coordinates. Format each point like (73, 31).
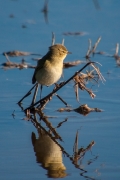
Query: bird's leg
(41, 87)
(35, 93)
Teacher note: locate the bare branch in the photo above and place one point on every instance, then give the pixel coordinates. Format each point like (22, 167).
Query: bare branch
(63, 41)
(19, 53)
(89, 49)
(53, 38)
(55, 90)
(96, 44)
(92, 51)
(117, 49)
(7, 57)
(99, 73)
(28, 93)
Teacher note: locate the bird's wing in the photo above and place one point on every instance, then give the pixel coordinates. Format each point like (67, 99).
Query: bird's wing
(39, 66)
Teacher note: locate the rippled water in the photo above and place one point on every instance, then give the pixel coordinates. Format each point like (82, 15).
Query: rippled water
(26, 152)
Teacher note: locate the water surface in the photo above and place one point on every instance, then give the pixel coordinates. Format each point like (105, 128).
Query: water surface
(23, 28)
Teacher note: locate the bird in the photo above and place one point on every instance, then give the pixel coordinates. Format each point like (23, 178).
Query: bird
(50, 67)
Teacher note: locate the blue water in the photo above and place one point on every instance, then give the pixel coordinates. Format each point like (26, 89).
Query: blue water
(18, 159)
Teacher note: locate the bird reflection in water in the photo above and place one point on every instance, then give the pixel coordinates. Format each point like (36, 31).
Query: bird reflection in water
(48, 150)
(48, 154)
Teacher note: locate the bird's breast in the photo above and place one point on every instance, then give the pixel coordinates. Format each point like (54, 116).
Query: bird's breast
(49, 74)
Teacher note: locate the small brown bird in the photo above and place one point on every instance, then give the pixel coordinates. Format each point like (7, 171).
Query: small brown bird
(49, 68)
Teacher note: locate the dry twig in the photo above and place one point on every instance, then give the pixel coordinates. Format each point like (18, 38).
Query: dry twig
(27, 94)
(116, 55)
(74, 33)
(18, 53)
(84, 109)
(53, 39)
(45, 11)
(92, 50)
(46, 98)
(71, 64)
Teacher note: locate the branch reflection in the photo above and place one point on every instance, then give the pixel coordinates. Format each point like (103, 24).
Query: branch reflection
(49, 151)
